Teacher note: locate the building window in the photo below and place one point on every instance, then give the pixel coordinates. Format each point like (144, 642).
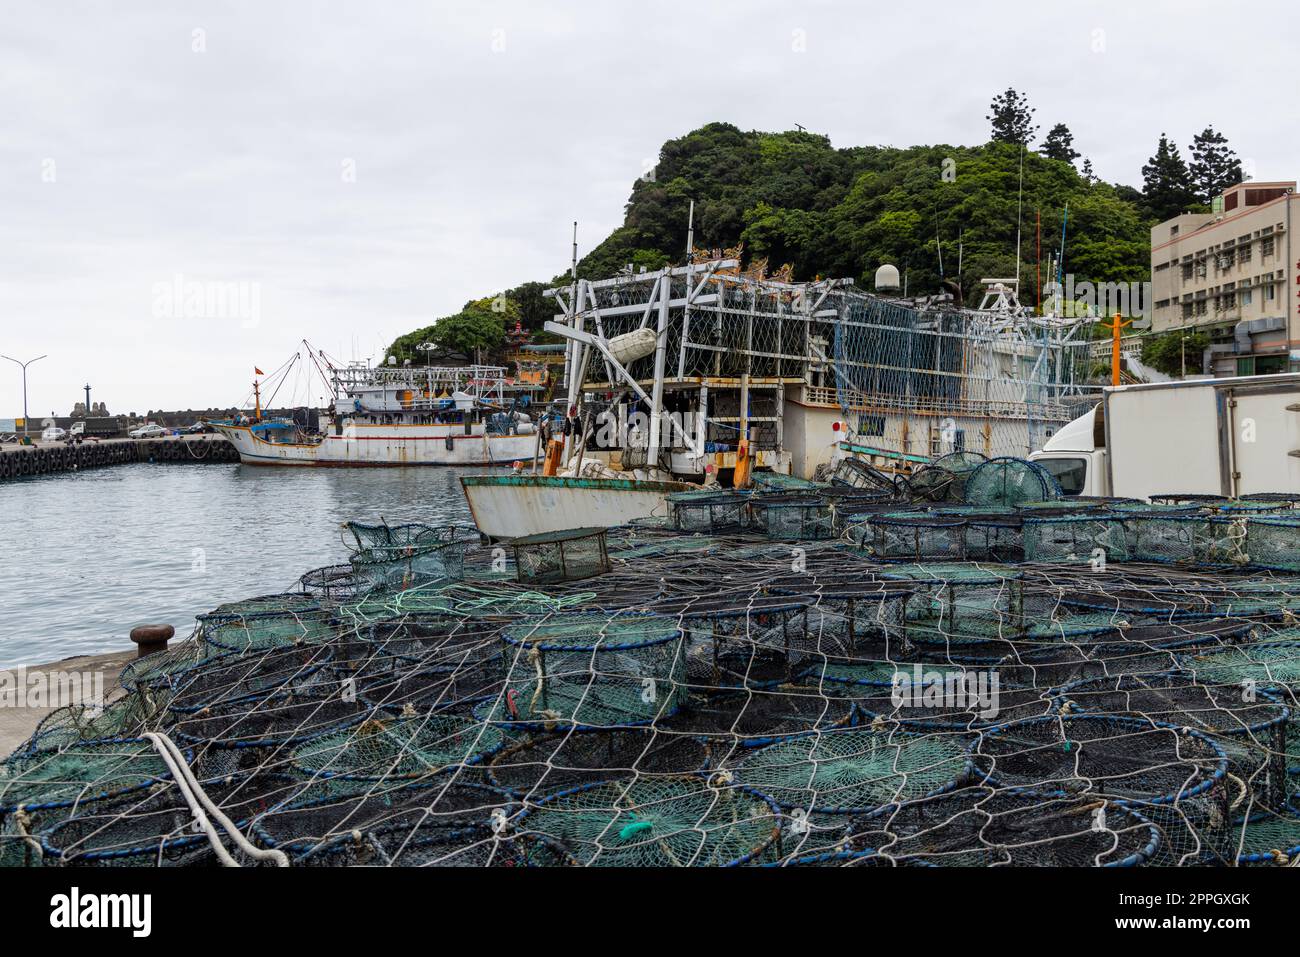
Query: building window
(1266, 247)
(1243, 254)
(1187, 271)
(1187, 310)
(1270, 365)
(1245, 297)
(1270, 292)
(1201, 307)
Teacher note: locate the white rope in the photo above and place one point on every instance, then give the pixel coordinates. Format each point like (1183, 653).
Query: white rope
(196, 796)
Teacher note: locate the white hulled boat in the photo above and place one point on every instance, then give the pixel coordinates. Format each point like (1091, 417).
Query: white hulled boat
(398, 416)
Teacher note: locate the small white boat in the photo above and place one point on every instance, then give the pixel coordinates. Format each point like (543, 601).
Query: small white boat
(512, 506)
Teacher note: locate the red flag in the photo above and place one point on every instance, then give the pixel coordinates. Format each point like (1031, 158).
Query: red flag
(257, 371)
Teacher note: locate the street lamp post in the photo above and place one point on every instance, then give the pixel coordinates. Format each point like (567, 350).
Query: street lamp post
(24, 366)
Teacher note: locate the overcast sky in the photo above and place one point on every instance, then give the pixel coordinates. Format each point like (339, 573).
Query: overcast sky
(362, 168)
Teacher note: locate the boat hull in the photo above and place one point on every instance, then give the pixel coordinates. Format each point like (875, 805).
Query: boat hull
(512, 506)
(385, 446)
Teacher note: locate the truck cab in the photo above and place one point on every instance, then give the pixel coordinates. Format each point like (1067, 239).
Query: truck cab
(1075, 458)
(1231, 437)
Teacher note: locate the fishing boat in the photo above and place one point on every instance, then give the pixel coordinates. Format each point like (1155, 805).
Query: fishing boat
(395, 415)
(707, 374)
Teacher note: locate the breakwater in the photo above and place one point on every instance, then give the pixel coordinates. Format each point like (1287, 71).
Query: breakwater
(45, 458)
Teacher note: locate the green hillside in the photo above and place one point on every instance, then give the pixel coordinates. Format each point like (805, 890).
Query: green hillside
(795, 199)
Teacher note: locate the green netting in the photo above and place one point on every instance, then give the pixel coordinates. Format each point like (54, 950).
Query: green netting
(398, 567)
(54, 783)
(394, 750)
(682, 822)
(1009, 482)
(854, 770)
(982, 827)
(440, 724)
(561, 556)
(589, 671)
(413, 533)
(709, 511)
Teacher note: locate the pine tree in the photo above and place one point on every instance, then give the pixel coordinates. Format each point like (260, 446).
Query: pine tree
(1059, 144)
(1214, 166)
(1012, 118)
(1167, 186)
(1087, 172)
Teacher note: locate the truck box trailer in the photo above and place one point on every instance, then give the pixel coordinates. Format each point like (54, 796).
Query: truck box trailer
(1207, 436)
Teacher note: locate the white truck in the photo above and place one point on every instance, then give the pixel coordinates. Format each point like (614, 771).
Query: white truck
(1206, 436)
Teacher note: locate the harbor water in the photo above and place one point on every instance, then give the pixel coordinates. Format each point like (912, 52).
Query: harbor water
(86, 556)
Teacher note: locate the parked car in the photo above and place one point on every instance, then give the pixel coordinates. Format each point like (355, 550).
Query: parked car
(196, 429)
(149, 431)
(54, 434)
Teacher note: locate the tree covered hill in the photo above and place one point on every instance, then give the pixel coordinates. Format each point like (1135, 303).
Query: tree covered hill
(793, 198)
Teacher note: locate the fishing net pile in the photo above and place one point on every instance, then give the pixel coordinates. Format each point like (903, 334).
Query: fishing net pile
(935, 672)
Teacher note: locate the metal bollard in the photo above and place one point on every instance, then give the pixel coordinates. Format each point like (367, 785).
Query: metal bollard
(151, 639)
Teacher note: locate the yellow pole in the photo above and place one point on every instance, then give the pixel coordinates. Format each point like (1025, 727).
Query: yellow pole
(1114, 350)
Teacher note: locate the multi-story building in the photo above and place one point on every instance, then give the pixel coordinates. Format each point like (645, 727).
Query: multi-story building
(1232, 274)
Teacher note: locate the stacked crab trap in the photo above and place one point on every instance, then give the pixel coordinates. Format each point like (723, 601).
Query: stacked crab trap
(955, 668)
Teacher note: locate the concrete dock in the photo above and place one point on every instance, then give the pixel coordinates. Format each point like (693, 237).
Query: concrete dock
(19, 719)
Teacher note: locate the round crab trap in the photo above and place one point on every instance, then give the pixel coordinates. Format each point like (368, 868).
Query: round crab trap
(952, 602)
(264, 631)
(1271, 542)
(1179, 699)
(732, 720)
(1266, 664)
(1074, 537)
(846, 610)
(852, 770)
(561, 556)
(332, 582)
(77, 723)
(996, 536)
(981, 827)
(152, 829)
(1169, 537)
(1189, 499)
(424, 641)
(943, 697)
(1289, 499)
(945, 478)
(1268, 837)
(709, 511)
(233, 678)
(289, 603)
(52, 785)
(412, 533)
(589, 671)
(792, 517)
(856, 474)
(432, 821)
(673, 822)
(544, 765)
(399, 567)
(389, 750)
(250, 728)
(1129, 760)
(915, 536)
(1010, 481)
